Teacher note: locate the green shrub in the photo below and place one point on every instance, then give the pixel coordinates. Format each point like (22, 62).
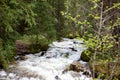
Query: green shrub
(7, 56)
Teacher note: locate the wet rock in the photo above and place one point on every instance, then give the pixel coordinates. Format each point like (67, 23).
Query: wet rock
(76, 66)
(79, 67)
(57, 78)
(21, 57)
(42, 53)
(87, 73)
(73, 49)
(84, 57)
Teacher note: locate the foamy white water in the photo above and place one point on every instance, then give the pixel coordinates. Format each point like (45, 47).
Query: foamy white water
(51, 65)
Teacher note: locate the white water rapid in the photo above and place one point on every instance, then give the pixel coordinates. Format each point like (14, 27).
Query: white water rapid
(53, 65)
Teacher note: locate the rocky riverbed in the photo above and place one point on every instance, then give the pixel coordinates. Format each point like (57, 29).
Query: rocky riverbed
(60, 62)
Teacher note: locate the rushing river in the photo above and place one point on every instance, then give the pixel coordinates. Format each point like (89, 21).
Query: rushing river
(52, 65)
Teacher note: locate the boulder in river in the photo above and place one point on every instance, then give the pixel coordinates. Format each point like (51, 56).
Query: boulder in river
(77, 66)
(85, 57)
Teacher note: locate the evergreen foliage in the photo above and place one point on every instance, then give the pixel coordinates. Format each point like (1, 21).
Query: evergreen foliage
(12, 12)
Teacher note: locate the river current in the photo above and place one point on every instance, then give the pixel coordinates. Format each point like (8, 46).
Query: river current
(51, 65)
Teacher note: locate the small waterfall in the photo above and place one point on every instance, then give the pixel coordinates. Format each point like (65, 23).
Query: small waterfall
(54, 64)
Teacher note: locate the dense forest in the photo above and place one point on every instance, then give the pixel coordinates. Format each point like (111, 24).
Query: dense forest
(28, 26)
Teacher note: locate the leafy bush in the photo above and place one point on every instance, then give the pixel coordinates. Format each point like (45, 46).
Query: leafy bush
(7, 56)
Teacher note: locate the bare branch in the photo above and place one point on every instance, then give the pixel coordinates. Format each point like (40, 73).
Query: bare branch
(116, 5)
(109, 16)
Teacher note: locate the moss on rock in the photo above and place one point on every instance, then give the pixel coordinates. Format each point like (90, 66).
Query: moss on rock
(85, 57)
